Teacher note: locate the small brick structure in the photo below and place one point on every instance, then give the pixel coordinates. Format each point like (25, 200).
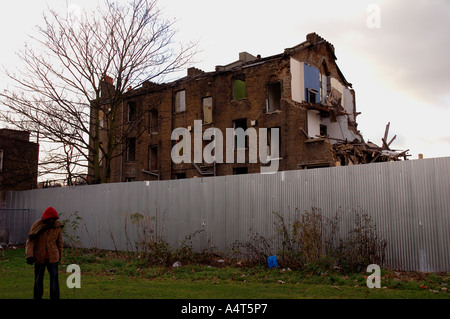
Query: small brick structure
(18, 169)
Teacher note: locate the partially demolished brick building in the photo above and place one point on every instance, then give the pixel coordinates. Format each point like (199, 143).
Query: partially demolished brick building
(301, 91)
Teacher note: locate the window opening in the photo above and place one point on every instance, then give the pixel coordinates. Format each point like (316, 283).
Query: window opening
(273, 96)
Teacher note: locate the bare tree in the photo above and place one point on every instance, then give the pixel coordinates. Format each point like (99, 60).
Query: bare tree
(70, 88)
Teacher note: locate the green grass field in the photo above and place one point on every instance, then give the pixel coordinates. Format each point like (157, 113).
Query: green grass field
(106, 276)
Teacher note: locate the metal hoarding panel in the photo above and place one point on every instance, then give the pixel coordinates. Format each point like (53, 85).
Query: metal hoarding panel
(409, 201)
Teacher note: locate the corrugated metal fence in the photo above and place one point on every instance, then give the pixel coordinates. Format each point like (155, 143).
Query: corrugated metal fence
(409, 201)
(14, 225)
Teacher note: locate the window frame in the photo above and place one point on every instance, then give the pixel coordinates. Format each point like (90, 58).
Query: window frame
(311, 91)
(129, 148)
(131, 116)
(240, 78)
(323, 129)
(268, 96)
(153, 121)
(211, 109)
(177, 100)
(150, 156)
(235, 140)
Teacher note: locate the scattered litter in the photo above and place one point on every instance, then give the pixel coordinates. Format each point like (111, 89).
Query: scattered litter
(434, 291)
(221, 261)
(272, 262)
(336, 287)
(281, 282)
(176, 264)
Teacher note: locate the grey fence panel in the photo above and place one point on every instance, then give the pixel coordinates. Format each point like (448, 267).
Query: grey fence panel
(14, 225)
(409, 201)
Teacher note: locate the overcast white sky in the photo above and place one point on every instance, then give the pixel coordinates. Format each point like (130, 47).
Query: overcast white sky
(400, 70)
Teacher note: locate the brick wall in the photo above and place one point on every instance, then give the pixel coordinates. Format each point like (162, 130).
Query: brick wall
(20, 162)
(160, 101)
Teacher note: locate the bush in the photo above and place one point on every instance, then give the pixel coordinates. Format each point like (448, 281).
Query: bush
(362, 247)
(254, 252)
(312, 242)
(308, 241)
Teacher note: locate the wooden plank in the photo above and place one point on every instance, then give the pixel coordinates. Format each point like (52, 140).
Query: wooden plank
(390, 142)
(386, 131)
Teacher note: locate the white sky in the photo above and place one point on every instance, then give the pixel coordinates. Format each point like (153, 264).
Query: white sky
(400, 71)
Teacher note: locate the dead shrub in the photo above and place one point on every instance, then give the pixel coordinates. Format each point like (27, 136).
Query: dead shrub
(308, 240)
(363, 245)
(253, 252)
(313, 241)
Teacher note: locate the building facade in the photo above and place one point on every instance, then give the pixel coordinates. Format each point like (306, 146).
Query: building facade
(18, 162)
(301, 92)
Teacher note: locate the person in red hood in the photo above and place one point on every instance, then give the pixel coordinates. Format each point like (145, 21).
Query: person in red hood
(44, 248)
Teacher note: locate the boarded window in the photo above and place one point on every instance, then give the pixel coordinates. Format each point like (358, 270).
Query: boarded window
(207, 110)
(153, 121)
(153, 158)
(239, 91)
(131, 149)
(180, 101)
(273, 96)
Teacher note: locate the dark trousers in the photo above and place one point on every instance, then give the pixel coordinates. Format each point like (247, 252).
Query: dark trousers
(39, 270)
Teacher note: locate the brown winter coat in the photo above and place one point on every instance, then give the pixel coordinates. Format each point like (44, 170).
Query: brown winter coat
(49, 239)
